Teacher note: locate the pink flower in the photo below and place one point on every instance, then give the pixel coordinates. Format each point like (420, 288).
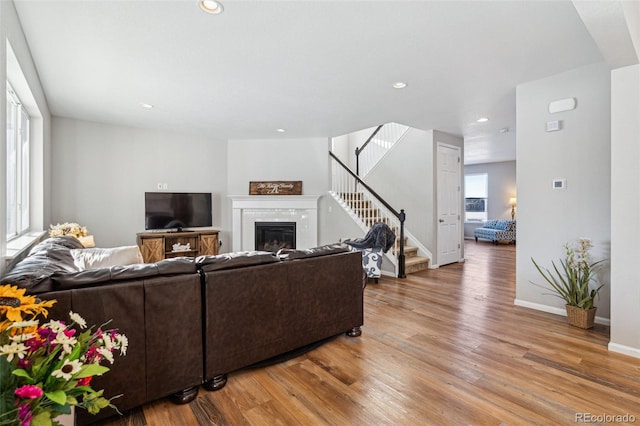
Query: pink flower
(24, 415)
(93, 355)
(28, 392)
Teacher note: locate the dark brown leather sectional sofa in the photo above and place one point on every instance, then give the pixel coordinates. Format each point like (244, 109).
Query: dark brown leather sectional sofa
(193, 321)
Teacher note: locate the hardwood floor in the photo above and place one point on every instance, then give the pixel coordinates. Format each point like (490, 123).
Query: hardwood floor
(441, 347)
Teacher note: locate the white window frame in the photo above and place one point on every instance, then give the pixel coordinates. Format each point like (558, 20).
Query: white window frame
(476, 194)
(18, 148)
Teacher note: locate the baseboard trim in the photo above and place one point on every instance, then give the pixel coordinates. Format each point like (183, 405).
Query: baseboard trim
(625, 350)
(554, 310)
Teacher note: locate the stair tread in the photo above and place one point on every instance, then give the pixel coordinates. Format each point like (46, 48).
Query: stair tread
(415, 260)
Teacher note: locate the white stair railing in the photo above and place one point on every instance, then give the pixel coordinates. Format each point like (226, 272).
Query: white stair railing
(377, 146)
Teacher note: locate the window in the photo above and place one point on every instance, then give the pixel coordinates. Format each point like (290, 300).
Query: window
(475, 197)
(17, 166)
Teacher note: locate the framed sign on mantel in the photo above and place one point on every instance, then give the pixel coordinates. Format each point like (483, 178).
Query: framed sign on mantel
(287, 187)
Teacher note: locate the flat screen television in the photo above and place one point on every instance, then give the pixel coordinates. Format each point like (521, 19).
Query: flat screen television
(177, 210)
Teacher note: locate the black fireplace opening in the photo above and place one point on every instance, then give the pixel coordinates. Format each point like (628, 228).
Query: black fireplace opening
(273, 236)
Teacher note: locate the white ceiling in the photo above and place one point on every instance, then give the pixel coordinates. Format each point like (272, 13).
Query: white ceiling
(314, 68)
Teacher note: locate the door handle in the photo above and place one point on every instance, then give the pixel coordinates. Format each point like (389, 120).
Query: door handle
(440, 220)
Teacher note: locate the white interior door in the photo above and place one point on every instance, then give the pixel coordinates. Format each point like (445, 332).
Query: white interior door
(449, 201)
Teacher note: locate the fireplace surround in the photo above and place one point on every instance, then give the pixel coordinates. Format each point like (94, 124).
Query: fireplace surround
(249, 209)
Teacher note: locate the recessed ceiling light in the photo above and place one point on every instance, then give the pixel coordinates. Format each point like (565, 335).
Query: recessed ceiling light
(211, 6)
(399, 85)
(281, 130)
(146, 106)
(482, 120)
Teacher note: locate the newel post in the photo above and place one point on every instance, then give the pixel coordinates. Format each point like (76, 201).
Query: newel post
(401, 265)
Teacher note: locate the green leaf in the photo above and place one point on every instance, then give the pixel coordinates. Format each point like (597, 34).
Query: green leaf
(43, 418)
(59, 397)
(22, 373)
(97, 405)
(91, 370)
(62, 409)
(75, 353)
(94, 402)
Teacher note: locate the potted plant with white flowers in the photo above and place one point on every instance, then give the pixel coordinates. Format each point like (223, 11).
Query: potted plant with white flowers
(575, 282)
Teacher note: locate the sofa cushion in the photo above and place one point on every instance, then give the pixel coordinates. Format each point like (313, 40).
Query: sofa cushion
(491, 224)
(235, 260)
(94, 258)
(291, 254)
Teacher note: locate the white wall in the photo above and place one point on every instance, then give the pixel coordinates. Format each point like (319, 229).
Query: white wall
(337, 224)
(340, 148)
(102, 172)
(579, 153)
(501, 178)
(279, 159)
(11, 32)
(406, 179)
(304, 159)
(625, 204)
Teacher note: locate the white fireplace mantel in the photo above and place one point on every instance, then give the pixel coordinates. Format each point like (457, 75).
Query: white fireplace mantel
(249, 209)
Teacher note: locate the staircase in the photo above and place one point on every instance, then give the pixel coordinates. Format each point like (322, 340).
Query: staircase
(367, 214)
(366, 207)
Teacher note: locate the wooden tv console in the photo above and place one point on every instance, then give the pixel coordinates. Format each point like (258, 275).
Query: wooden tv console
(156, 246)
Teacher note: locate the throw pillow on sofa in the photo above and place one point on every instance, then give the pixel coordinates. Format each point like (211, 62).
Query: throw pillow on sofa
(503, 225)
(93, 258)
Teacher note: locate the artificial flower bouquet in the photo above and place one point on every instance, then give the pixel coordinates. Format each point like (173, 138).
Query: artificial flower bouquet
(45, 369)
(572, 280)
(67, 228)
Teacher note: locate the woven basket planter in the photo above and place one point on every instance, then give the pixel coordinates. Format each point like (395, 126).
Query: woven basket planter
(582, 318)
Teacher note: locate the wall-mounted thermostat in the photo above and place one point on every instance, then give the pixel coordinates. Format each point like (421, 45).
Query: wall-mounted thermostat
(559, 183)
(554, 125)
